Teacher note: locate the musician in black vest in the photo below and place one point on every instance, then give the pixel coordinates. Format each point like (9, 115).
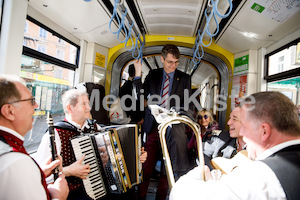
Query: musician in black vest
(21, 177)
(271, 129)
(77, 112)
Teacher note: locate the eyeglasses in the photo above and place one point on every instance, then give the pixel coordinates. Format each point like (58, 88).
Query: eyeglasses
(171, 62)
(31, 99)
(205, 117)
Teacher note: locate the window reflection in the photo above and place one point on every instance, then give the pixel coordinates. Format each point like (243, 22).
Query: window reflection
(289, 87)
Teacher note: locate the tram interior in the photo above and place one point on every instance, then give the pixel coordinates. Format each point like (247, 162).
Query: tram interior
(246, 31)
(253, 28)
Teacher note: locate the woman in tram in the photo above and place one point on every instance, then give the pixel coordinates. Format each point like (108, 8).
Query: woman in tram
(207, 123)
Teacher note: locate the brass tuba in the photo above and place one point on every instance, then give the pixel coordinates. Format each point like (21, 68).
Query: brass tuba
(175, 118)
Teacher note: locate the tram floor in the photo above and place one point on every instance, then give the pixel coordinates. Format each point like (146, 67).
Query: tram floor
(151, 193)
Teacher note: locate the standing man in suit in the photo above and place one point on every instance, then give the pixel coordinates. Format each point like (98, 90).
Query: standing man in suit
(159, 83)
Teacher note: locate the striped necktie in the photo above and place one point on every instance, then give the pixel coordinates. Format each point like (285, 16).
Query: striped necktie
(165, 93)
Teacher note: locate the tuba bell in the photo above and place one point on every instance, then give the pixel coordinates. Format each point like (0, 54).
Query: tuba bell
(166, 118)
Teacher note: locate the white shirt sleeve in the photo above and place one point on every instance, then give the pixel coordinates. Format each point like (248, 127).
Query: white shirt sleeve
(43, 153)
(254, 181)
(20, 178)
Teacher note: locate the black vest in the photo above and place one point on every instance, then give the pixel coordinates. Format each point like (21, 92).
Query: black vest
(66, 132)
(286, 165)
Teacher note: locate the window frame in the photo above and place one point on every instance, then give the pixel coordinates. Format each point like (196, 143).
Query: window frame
(44, 57)
(282, 75)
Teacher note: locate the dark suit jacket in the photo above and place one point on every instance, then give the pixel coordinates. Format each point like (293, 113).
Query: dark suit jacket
(152, 86)
(136, 115)
(176, 140)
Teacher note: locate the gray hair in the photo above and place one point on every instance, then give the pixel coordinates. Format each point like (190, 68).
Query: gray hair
(8, 89)
(274, 108)
(70, 97)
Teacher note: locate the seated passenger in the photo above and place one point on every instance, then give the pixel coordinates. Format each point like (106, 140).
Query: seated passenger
(234, 129)
(207, 125)
(225, 144)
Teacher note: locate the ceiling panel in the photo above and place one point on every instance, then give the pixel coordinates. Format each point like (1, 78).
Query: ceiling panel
(185, 21)
(168, 29)
(70, 15)
(85, 20)
(265, 30)
(241, 43)
(175, 18)
(89, 21)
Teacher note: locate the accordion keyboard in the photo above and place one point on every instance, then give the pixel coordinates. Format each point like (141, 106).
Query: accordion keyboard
(93, 184)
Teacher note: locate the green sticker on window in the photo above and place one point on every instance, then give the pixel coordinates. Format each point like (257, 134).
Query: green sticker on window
(257, 7)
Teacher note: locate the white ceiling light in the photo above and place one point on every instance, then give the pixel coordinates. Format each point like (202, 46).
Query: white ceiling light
(250, 35)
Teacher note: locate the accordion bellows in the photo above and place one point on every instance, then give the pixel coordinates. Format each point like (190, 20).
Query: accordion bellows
(113, 156)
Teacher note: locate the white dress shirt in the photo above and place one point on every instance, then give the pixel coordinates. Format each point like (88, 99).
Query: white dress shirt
(20, 177)
(252, 181)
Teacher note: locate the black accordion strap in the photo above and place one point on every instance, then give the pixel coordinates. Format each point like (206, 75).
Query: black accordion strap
(65, 126)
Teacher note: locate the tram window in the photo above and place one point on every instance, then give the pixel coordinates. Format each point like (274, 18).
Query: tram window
(284, 60)
(48, 66)
(289, 87)
(36, 37)
(124, 75)
(283, 66)
(46, 82)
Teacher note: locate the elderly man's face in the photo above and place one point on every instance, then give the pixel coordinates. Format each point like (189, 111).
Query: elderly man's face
(24, 110)
(81, 111)
(250, 130)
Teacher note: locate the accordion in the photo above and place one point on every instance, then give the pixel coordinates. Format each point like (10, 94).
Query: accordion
(113, 156)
